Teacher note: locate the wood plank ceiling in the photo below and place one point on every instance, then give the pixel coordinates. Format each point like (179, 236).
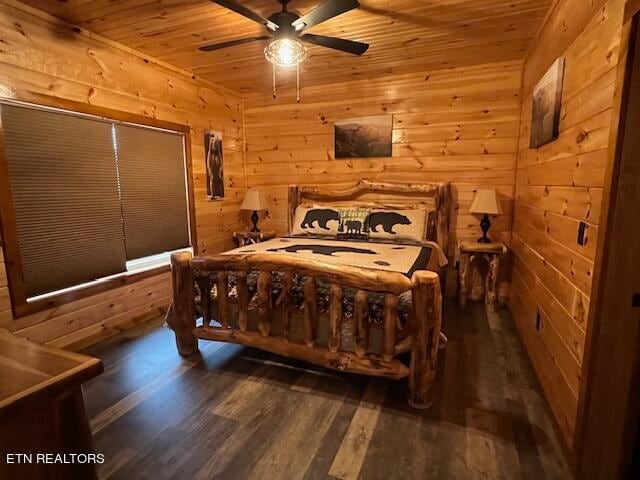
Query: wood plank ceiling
(405, 35)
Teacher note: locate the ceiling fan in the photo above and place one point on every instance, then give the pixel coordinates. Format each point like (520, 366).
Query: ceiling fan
(286, 30)
(287, 27)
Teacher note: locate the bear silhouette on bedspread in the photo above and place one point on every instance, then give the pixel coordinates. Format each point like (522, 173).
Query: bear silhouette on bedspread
(320, 215)
(353, 227)
(328, 250)
(387, 220)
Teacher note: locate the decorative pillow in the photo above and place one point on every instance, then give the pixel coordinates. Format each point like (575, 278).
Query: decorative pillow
(397, 224)
(316, 220)
(353, 224)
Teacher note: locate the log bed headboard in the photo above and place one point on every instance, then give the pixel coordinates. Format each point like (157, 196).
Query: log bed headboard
(436, 196)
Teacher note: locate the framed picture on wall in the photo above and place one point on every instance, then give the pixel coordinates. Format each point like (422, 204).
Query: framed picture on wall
(214, 160)
(547, 102)
(364, 137)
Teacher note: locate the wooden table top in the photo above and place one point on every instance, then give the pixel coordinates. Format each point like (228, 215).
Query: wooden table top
(28, 369)
(268, 234)
(476, 247)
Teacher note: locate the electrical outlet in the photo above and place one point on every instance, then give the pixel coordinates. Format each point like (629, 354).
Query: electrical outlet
(582, 234)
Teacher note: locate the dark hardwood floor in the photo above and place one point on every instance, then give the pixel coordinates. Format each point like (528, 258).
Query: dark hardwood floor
(236, 413)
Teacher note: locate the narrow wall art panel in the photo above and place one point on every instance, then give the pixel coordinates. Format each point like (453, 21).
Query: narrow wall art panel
(364, 137)
(547, 102)
(214, 164)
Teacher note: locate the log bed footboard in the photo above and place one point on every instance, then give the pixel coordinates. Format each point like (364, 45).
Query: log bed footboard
(268, 324)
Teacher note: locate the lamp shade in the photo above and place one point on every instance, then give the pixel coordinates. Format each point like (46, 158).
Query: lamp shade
(486, 201)
(254, 200)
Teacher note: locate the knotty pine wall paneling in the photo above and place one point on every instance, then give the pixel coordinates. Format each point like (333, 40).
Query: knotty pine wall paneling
(558, 186)
(44, 55)
(459, 125)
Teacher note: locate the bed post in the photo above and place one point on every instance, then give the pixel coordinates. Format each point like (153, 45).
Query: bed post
(292, 203)
(427, 308)
(181, 316)
(443, 215)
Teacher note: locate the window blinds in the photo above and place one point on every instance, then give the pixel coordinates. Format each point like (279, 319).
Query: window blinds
(64, 185)
(153, 190)
(90, 194)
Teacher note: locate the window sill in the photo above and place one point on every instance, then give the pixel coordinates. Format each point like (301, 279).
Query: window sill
(96, 288)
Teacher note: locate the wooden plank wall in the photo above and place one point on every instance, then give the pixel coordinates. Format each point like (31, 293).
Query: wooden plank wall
(459, 125)
(558, 186)
(41, 54)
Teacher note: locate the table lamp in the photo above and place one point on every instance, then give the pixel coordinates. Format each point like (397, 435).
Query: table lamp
(254, 200)
(486, 202)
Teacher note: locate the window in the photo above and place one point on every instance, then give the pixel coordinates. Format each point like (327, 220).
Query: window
(91, 199)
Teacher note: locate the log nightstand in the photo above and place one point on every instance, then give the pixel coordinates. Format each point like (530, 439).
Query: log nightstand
(491, 252)
(249, 238)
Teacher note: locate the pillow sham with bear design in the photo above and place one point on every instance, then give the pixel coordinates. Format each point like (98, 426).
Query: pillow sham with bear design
(397, 224)
(316, 220)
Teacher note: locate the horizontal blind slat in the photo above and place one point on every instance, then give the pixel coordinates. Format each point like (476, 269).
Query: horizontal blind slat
(65, 192)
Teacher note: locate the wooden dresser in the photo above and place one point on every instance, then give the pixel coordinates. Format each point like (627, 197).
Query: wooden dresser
(42, 411)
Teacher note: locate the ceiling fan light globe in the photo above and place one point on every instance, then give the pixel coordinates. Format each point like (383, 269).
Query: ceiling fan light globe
(286, 52)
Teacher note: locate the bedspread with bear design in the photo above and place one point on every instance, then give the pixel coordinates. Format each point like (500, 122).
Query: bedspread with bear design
(386, 256)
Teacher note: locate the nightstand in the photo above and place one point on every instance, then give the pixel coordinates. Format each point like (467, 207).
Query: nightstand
(491, 252)
(249, 238)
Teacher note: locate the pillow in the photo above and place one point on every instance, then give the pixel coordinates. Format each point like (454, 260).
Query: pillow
(316, 220)
(397, 224)
(353, 224)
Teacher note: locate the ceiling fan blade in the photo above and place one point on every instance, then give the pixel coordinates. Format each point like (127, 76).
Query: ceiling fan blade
(245, 12)
(327, 10)
(349, 46)
(242, 41)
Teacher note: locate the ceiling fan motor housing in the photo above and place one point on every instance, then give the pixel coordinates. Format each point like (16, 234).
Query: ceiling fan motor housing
(284, 20)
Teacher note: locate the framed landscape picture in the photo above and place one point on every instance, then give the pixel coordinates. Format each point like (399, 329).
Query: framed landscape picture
(364, 137)
(547, 102)
(214, 164)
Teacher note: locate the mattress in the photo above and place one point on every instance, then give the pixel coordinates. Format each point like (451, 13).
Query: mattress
(387, 256)
(375, 300)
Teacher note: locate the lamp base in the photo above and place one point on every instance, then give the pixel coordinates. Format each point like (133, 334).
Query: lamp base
(485, 225)
(254, 220)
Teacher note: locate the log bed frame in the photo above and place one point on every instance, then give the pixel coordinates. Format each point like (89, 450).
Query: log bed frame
(420, 336)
